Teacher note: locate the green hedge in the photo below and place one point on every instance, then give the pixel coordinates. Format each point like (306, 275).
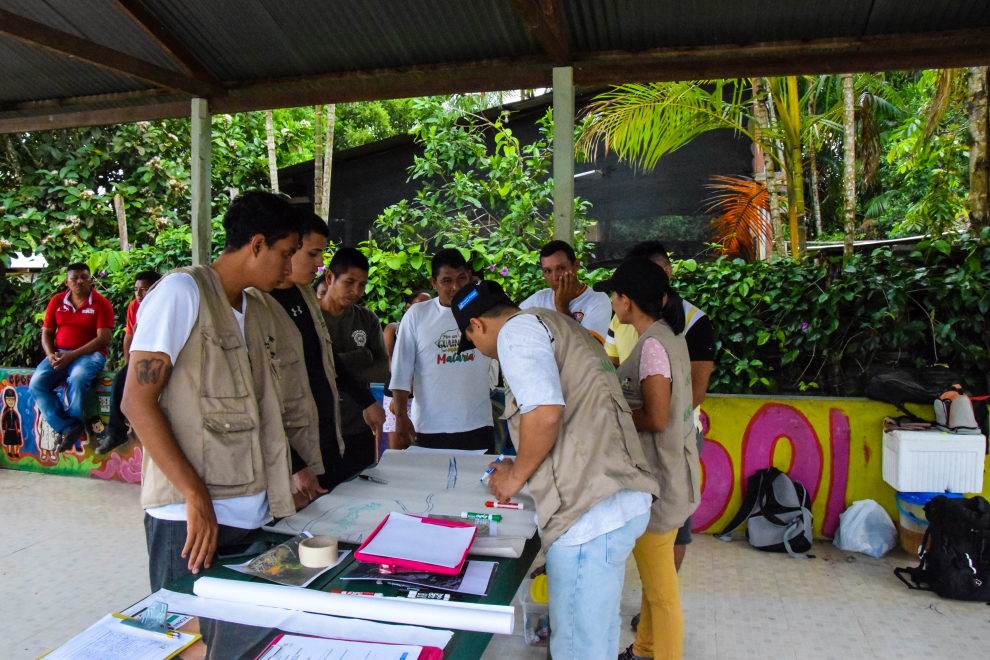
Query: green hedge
(819, 328)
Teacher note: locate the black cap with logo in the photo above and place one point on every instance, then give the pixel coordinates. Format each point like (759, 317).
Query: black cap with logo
(639, 278)
(471, 302)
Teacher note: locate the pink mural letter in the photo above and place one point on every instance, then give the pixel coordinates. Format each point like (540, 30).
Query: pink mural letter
(840, 439)
(716, 485)
(778, 421)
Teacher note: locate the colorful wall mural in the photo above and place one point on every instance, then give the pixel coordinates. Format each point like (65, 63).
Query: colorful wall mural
(832, 446)
(28, 442)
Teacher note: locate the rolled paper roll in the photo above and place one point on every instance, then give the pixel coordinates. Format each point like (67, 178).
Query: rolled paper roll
(318, 552)
(499, 619)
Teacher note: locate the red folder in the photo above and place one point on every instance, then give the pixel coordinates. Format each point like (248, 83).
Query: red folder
(428, 652)
(394, 563)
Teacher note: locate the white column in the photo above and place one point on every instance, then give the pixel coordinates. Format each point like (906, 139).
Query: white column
(563, 154)
(200, 167)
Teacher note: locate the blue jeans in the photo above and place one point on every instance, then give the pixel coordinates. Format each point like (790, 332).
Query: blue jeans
(77, 379)
(584, 585)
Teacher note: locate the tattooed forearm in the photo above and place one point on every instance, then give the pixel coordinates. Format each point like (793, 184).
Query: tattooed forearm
(149, 372)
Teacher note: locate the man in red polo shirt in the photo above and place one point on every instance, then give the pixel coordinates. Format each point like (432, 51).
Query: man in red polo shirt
(78, 325)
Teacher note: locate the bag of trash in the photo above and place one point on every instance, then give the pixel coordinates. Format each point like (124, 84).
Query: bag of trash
(865, 527)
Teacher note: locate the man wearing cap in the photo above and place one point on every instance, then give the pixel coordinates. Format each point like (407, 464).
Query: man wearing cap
(579, 452)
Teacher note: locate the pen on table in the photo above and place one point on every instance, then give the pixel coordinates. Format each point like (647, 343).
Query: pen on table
(481, 516)
(368, 477)
(504, 505)
(489, 471)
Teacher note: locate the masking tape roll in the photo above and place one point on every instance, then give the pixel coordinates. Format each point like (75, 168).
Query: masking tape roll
(318, 552)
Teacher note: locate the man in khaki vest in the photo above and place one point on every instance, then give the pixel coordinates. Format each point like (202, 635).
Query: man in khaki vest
(578, 451)
(201, 395)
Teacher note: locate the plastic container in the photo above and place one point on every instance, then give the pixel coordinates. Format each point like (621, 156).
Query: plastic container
(933, 462)
(536, 616)
(913, 524)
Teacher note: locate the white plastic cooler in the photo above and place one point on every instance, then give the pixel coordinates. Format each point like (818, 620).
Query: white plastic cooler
(933, 462)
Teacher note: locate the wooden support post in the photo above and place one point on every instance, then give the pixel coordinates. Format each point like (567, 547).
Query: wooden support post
(200, 167)
(563, 154)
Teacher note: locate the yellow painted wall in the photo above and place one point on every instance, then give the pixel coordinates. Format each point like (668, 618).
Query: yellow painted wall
(796, 428)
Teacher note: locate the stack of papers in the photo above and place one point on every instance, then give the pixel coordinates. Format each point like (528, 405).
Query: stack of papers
(110, 639)
(473, 579)
(411, 539)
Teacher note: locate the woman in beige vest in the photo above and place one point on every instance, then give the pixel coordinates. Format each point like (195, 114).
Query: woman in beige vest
(656, 381)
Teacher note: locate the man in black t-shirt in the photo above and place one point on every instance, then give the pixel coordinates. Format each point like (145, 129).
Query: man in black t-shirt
(291, 297)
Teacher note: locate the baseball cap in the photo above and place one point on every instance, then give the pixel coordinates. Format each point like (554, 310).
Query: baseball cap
(471, 302)
(637, 277)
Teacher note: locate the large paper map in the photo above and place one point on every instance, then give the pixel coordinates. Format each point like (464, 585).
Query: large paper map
(420, 484)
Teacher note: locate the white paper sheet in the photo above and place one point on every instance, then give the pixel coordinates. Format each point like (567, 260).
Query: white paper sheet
(477, 576)
(404, 537)
(487, 546)
(416, 448)
(419, 483)
(290, 620)
(498, 619)
(292, 647)
(109, 639)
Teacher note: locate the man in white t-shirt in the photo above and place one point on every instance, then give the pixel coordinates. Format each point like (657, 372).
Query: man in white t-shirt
(194, 471)
(452, 408)
(566, 294)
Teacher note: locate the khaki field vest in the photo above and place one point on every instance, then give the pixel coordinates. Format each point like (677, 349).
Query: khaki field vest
(222, 403)
(598, 452)
(673, 452)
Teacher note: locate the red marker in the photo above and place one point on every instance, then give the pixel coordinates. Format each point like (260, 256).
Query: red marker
(503, 505)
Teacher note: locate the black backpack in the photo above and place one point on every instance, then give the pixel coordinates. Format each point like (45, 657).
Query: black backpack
(955, 552)
(777, 511)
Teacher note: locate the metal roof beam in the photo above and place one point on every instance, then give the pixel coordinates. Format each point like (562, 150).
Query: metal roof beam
(547, 26)
(38, 34)
(167, 41)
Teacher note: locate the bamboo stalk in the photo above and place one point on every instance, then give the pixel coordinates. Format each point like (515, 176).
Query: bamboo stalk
(328, 161)
(849, 163)
(270, 142)
(318, 162)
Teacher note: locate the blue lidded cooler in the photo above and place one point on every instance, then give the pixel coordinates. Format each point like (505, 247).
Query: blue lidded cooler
(913, 524)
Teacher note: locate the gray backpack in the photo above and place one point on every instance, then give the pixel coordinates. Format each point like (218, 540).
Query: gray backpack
(777, 513)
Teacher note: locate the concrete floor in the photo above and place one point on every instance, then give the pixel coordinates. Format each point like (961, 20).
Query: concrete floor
(72, 550)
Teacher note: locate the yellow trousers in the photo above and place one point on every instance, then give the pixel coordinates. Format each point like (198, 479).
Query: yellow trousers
(660, 634)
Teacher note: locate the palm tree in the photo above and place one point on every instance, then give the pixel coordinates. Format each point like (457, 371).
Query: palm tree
(641, 123)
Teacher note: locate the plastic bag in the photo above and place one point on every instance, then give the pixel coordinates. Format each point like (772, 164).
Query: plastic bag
(865, 527)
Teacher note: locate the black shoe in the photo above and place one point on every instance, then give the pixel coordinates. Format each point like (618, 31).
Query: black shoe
(68, 439)
(628, 654)
(635, 623)
(111, 442)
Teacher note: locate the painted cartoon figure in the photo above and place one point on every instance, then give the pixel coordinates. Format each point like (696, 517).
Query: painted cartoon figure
(97, 429)
(10, 425)
(46, 439)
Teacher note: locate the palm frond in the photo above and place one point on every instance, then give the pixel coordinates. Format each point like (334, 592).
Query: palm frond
(641, 123)
(940, 102)
(743, 222)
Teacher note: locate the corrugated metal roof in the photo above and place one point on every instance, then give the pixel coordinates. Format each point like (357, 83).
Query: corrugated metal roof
(274, 53)
(30, 73)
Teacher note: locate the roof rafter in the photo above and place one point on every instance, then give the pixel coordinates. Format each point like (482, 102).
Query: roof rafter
(168, 41)
(546, 24)
(39, 34)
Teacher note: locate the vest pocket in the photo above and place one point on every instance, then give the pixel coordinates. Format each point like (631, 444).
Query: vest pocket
(228, 456)
(221, 371)
(693, 468)
(291, 380)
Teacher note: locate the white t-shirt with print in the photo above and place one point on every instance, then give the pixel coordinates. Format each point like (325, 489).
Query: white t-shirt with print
(525, 351)
(592, 309)
(451, 390)
(165, 320)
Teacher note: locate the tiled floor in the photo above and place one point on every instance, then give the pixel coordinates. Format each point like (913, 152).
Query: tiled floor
(72, 550)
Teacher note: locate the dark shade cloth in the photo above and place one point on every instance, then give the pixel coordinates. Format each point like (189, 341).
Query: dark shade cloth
(483, 438)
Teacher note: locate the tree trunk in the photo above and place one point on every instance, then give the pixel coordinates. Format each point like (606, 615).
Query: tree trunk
(328, 161)
(769, 169)
(118, 209)
(977, 105)
(796, 212)
(318, 162)
(849, 158)
(816, 205)
(272, 166)
(15, 165)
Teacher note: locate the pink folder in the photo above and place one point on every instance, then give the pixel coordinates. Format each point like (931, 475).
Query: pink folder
(394, 563)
